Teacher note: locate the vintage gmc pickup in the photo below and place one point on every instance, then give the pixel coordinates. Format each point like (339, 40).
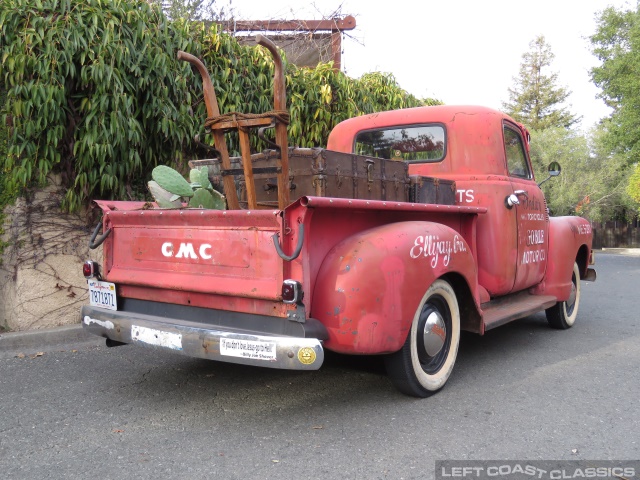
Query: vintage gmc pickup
(277, 286)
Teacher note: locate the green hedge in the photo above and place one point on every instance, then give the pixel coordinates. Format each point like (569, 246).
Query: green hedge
(95, 93)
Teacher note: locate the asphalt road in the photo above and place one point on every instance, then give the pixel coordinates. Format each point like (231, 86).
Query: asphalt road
(523, 391)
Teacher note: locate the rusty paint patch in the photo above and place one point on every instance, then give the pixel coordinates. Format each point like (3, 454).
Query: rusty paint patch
(344, 320)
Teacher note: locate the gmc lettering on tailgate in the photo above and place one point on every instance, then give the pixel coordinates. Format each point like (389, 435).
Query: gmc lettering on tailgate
(234, 251)
(187, 250)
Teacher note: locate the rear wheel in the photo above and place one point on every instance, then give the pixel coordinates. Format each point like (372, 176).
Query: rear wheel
(424, 363)
(563, 314)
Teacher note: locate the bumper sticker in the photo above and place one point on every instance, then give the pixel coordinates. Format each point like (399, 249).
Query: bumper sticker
(307, 355)
(248, 349)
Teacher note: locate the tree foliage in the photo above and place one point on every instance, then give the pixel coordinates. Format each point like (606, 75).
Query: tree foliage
(194, 10)
(95, 93)
(633, 187)
(536, 100)
(616, 44)
(594, 178)
(592, 183)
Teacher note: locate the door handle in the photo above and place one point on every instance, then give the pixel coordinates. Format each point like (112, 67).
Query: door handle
(513, 199)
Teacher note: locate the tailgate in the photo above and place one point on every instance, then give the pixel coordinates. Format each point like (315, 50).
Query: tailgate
(206, 251)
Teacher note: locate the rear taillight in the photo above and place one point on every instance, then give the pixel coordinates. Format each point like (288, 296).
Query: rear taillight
(291, 291)
(91, 269)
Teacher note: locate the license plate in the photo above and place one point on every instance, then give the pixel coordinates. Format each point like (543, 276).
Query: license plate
(102, 294)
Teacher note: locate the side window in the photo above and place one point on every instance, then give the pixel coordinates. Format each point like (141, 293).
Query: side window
(412, 143)
(514, 150)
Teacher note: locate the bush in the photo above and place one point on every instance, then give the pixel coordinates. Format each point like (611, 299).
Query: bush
(95, 93)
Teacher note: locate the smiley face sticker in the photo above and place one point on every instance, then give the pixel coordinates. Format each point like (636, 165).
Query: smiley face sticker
(306, 355)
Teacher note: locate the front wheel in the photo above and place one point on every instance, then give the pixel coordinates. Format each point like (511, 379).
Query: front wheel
(563, 314)
(423, 365)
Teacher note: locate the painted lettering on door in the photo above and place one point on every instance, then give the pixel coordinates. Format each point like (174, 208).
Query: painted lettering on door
(534, 256)
(535, 237)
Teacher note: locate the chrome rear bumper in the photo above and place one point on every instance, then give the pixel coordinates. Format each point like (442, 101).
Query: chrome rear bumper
(204, 341)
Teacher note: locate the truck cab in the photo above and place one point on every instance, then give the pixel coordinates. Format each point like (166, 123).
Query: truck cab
(486, 153)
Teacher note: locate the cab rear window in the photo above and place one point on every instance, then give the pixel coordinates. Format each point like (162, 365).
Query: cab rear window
(413, 144)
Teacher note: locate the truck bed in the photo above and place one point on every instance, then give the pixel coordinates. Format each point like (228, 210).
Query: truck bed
(208, 283)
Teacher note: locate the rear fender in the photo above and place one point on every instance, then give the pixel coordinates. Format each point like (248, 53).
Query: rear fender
(370, 284)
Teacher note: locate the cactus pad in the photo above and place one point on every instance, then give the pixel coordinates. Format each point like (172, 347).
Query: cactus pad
(199, 177)
(201, 199)
(171, 181)
(162, 197)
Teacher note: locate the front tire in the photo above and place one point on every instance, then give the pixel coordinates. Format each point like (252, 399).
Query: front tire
(424, 363)
(563, 314)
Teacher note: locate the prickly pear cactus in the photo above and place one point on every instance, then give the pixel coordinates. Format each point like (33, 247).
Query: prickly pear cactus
(171, 181)
(170, 189)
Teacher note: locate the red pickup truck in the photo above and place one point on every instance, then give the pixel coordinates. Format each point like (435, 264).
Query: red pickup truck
(276, 287)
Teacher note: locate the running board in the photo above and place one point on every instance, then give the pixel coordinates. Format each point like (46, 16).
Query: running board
(512, 307)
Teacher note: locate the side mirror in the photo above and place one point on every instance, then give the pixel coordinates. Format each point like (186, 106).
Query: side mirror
(554, 170)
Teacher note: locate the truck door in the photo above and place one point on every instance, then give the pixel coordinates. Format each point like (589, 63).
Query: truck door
(531, 211)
